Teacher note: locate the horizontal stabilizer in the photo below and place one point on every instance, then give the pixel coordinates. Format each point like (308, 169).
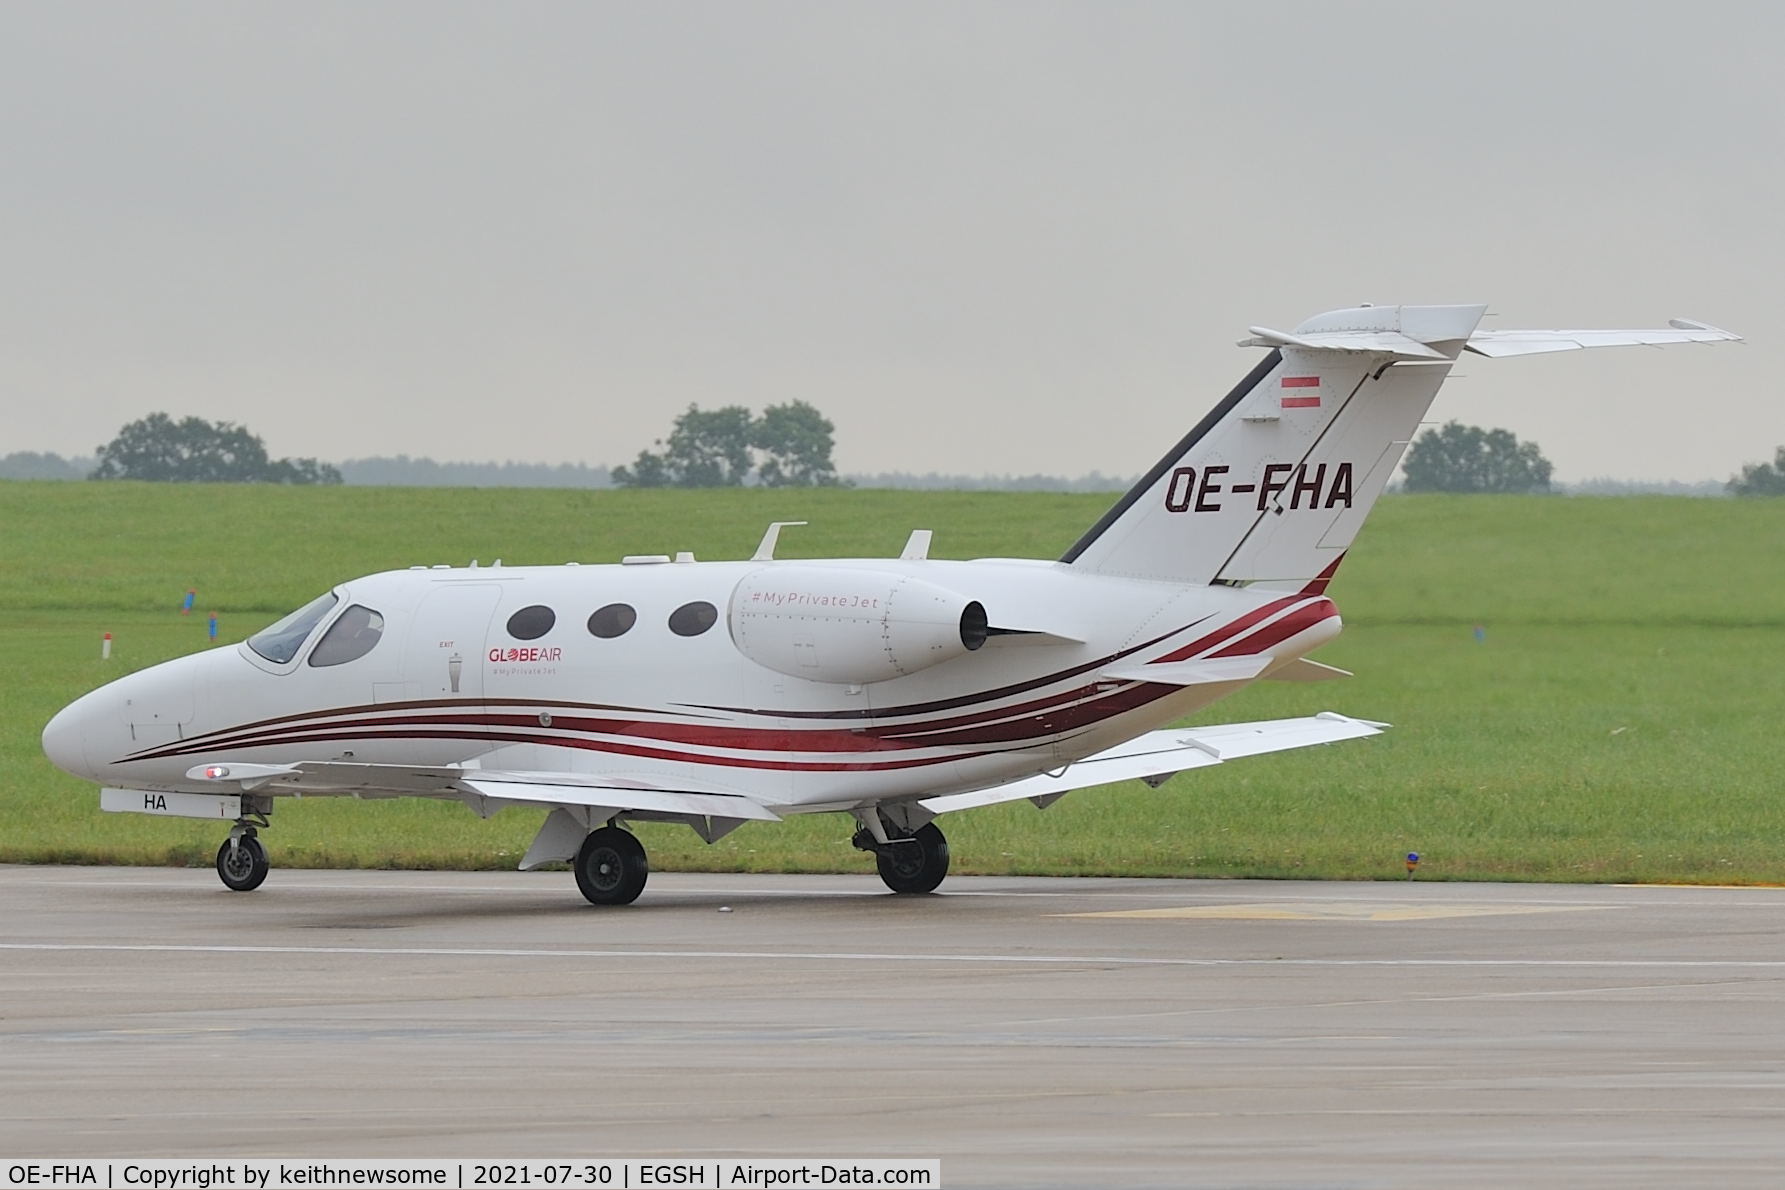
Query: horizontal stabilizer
(1400, 332)
(1161, 753)
(1390, 343)
(1678, 330)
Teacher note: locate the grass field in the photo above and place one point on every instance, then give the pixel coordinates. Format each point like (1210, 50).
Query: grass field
(1617, 722)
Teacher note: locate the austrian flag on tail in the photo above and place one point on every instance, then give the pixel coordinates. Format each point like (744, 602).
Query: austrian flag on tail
(1301, 392)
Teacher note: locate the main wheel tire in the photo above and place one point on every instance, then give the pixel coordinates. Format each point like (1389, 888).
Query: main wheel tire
(611, 867)
(917, 866)
(243, 867)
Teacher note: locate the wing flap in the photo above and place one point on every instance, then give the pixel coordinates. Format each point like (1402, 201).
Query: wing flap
(612, 797)
(1162, 753)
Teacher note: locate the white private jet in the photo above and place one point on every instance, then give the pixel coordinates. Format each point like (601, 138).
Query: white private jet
(892, 690)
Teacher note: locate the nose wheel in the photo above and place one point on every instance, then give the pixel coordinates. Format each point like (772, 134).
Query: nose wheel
(242, 861)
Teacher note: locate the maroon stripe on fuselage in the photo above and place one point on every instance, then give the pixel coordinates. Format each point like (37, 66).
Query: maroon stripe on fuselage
(1278, 631)
(758, 739)
(1228, 630)
(1088, 709)
(1073, 709)
(769, 739)
(816, 766)
(1317, 585)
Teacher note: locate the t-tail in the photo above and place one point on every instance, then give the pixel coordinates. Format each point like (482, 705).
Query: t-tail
(1273, 485)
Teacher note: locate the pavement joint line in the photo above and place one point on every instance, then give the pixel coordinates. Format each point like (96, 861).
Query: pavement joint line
(871, 956)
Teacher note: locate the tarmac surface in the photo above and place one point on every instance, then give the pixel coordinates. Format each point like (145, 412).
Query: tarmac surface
(1027, 1032)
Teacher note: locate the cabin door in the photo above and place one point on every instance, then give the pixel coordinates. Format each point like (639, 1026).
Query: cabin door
(444, 658)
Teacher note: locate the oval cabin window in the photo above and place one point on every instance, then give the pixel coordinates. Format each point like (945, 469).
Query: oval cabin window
(616, 619)
(692, 619)
(531, 623)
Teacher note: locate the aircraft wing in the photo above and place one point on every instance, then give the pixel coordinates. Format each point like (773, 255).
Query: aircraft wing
(333, 777)
(1158, 754)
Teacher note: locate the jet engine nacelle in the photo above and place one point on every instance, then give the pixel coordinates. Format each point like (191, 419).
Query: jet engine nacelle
(832, 624)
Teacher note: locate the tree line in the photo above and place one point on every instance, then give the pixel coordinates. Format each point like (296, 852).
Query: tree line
(784, 446)
(787, 446)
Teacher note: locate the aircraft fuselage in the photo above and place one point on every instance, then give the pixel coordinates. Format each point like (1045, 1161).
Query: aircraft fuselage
(675, 701)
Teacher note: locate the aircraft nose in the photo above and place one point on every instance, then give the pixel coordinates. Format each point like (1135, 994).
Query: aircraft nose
(65, 741)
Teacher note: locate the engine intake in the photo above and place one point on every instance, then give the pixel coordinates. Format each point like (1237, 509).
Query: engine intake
(836, 624)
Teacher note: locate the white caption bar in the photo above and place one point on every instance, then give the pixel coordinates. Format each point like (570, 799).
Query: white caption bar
(593, 1173)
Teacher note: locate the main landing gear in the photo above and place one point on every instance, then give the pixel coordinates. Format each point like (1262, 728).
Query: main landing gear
(910, 861)
(611, 867)
(242, 860)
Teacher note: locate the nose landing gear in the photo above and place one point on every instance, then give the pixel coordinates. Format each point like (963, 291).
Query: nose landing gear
(242, 862)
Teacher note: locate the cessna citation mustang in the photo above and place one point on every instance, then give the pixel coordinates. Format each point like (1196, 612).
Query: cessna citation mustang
(892, 690)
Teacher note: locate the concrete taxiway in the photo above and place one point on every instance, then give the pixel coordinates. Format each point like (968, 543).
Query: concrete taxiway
(1027, 1032)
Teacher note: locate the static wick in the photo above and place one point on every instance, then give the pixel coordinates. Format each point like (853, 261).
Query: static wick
(105, 647)
(1412, 863)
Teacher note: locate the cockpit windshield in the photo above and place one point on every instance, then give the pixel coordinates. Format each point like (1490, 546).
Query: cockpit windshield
(281, 642)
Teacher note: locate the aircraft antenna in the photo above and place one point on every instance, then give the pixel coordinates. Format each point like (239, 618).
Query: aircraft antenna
(765, 552)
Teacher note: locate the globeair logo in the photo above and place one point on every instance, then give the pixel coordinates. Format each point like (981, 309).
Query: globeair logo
(533, 654)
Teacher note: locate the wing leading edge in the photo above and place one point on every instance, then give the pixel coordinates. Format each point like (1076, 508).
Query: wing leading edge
(323, 778)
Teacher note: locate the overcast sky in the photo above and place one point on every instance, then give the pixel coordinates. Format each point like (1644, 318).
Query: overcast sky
(1015, 237)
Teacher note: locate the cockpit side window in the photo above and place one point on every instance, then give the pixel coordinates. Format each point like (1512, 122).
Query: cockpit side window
(349, 638)
(281, 642)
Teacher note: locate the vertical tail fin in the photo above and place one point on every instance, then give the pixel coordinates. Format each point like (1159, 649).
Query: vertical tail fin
(1273, 485)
